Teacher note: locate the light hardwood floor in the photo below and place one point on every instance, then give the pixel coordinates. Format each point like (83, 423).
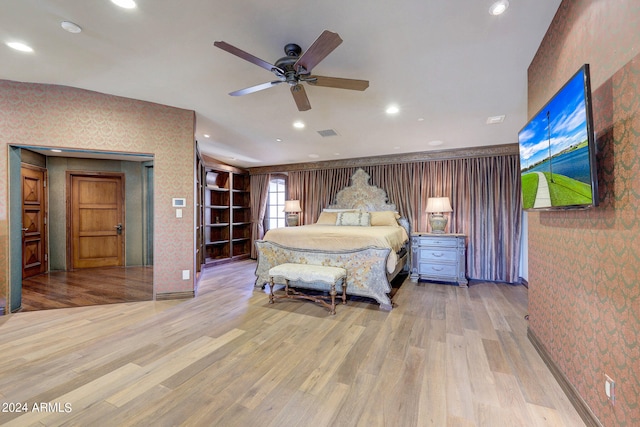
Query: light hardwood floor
(444, 356)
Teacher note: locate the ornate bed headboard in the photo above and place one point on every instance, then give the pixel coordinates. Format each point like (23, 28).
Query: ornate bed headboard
(361, 195)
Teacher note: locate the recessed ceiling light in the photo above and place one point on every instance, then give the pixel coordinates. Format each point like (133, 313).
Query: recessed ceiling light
(435, 143)
(298, 125)
(278, 139)
(127, 4)
(392, 109)
(314, 156)
(70, 27)
(55, 150)
(206, 135)
(421, 119)
(20, 46)
(499, 7)
(493, 120)
(336, 154)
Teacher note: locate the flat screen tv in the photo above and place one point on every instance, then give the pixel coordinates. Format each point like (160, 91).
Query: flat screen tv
(558, 151)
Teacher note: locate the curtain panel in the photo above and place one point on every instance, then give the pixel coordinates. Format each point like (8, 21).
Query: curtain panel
(484, 194)
(316, 190)
(259, 195)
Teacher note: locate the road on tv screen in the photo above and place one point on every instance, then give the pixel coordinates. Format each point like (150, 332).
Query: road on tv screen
(562, 190)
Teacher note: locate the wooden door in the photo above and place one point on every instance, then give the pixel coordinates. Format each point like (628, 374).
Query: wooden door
(34, 214)
(97, 219)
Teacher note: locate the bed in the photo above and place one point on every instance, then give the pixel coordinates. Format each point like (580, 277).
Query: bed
(361, 232)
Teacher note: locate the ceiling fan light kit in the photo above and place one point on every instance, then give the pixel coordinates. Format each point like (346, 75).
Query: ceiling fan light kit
(295, 69)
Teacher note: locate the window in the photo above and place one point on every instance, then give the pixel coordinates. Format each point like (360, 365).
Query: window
(275, 203)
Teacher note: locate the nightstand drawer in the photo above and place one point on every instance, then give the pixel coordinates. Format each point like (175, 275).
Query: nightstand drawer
(438, 255)
(438, 242)
(438, 270)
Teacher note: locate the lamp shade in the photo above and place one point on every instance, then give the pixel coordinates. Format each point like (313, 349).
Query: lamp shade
(292, 206)
(438, 205)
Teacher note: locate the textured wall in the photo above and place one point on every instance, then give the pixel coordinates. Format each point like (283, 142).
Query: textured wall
(584, 266)
(49, 115)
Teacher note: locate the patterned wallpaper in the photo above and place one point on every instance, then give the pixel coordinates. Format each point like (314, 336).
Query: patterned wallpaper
(59, 116)
(584, 266)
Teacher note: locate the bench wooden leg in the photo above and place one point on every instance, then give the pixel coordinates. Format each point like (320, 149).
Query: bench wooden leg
(333, 298)
(286, 287)
(344, 290)
(271, 296)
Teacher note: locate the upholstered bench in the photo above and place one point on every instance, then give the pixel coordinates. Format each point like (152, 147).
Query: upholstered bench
(332, 276)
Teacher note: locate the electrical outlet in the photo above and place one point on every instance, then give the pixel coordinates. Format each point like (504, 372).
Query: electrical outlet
(610, 389)
(185, 274)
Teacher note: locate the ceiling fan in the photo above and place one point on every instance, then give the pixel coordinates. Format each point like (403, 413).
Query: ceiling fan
(295, 69)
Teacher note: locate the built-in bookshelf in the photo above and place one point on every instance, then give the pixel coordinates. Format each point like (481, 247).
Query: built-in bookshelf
(226, 213)
(241, 216)
(199, 205)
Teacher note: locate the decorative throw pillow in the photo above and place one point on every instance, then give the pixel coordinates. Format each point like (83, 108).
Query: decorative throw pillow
(353, 218)
(327, 218)
(389, 218)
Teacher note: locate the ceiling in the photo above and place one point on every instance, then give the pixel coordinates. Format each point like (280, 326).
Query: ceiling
(447, 65)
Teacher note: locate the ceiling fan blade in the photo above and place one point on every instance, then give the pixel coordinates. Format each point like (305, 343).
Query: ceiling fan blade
(337, 82)
(247, 56)
(255, 88)
(300, 96)
(323, 46)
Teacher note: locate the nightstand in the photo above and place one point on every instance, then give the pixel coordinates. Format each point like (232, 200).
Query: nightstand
(440, 257)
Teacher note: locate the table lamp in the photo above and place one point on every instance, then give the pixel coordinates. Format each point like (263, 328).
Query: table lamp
(292, 207)
(436, 206)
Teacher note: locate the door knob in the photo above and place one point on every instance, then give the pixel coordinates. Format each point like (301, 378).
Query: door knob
(25, 229)
(118, 228)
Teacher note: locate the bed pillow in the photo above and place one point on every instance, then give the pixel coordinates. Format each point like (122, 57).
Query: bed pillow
(389, 218)
(358, 218)
(327, 218)
(330, 216)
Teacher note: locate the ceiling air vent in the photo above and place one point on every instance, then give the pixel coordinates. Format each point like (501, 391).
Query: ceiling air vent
(327, 133)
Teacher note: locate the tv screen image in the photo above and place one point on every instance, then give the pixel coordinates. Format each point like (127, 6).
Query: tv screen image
(557, 150)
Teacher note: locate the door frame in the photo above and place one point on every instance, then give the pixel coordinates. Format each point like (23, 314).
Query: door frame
(69, 208)
(14, 290)
(148, 213)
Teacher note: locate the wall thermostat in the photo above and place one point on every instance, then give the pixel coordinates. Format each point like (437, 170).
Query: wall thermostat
(179, 202)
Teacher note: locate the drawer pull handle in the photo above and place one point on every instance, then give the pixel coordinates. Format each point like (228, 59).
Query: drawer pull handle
(437, 268)
(437, 254)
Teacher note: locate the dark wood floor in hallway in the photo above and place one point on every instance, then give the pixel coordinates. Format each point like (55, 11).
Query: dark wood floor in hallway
(444, 356)
(94, 286)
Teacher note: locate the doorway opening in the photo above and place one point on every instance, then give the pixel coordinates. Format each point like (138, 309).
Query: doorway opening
(88, 260)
